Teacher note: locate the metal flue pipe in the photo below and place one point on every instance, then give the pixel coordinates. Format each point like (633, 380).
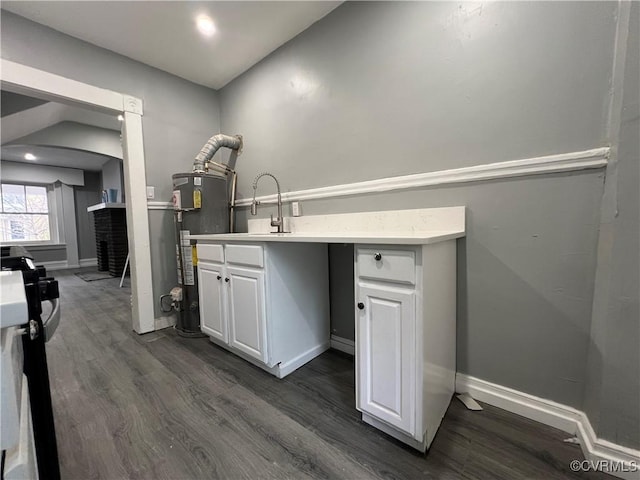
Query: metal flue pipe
(212, 146)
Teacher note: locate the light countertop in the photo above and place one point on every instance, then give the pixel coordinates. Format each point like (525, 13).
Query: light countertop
(350, 237)
(409, 227)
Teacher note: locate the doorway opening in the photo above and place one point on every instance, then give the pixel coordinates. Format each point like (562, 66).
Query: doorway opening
(43, 85)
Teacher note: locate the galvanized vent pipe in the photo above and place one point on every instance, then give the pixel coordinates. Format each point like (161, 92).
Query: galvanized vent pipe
(212, 146)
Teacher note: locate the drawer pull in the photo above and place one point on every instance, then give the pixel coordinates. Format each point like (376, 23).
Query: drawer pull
(377, 256)
(361, 306)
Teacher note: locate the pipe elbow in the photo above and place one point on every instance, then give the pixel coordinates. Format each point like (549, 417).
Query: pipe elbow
(214, 144)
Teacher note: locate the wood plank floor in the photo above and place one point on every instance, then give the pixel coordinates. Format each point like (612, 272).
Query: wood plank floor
(159, 406)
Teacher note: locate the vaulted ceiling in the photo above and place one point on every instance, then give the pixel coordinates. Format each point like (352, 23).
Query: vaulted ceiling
(55, 134)
(161, 34)
(164, 34)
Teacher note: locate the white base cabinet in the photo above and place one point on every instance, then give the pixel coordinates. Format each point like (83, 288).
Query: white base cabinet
(269, 303)
(213, 302)
(386, 354)
(405, 338)
(266, 302)
(247, 322)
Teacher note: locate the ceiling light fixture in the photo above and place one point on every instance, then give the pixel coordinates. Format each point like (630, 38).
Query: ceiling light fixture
(205, 25)
(120, 118)
(29, 156)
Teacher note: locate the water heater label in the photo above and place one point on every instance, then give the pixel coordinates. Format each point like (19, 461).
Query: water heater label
(187, 258)
(197, 198)
(176, 200)
(197, 181)
(194, 255)
(178, 264)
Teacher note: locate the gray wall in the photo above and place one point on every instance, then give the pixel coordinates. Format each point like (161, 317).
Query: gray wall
(42, 174)
(392, 88)
(384, 89)
(48, 253)
(179, 116)
(84, 197)
(612, 396)
(112, 177)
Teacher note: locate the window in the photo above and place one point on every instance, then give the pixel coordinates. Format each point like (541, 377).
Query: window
(24, 213)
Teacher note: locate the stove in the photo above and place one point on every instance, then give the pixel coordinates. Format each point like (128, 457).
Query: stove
(28, 440)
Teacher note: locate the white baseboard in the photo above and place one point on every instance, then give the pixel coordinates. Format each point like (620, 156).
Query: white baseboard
(164, 322)
(64, 265)
(563, 417)
(280, 370)
(343, 344)
(59, 265)
(285, 369)
(88, 262)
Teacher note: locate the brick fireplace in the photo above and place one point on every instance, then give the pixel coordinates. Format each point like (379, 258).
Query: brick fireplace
(111, 237)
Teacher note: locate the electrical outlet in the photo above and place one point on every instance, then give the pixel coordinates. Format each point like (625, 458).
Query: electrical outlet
(295, 209)
(151, 193)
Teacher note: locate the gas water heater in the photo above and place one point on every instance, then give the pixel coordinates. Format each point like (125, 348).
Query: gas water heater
(203, 202)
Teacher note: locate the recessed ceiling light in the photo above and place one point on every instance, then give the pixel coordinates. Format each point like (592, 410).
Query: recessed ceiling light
(29, 156)
(205, 25)
(120, 118)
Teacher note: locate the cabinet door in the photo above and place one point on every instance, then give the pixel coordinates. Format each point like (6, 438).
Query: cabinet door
(385, 349)
(212, 301)
(247, 311)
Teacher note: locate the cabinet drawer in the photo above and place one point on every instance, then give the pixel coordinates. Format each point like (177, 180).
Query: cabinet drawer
(393, 265)
(212, 253)
(251, 255)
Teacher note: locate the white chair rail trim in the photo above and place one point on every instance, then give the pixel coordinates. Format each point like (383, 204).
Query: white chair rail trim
(564, 162)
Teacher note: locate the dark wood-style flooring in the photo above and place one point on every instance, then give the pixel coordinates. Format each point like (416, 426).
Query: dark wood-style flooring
(159, 406)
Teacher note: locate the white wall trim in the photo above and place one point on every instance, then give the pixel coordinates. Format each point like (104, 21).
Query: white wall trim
(554, 414)
(564, 162)
(38, 247)
(343, 344)
(165, 322)
(34, 173)
(88, 262)
(138, 222)
(67, 220)
(159, 205)
(56, 265)
(27, 80)
(65, 265)
(32, 81)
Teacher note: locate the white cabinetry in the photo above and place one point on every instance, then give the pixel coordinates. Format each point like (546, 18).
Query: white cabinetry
(267, 303)
(214, 323)
(405, 338)
(246, 312)
(385, 349)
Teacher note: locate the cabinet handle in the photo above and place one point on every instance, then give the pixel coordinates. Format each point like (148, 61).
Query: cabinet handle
(377, 256)
(226, 279)
(219, 277)
(361, 306)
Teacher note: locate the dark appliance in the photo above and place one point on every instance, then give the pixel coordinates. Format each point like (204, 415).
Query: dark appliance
(38, 288)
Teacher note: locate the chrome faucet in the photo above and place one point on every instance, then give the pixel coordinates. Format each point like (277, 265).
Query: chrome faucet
(278, 222)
